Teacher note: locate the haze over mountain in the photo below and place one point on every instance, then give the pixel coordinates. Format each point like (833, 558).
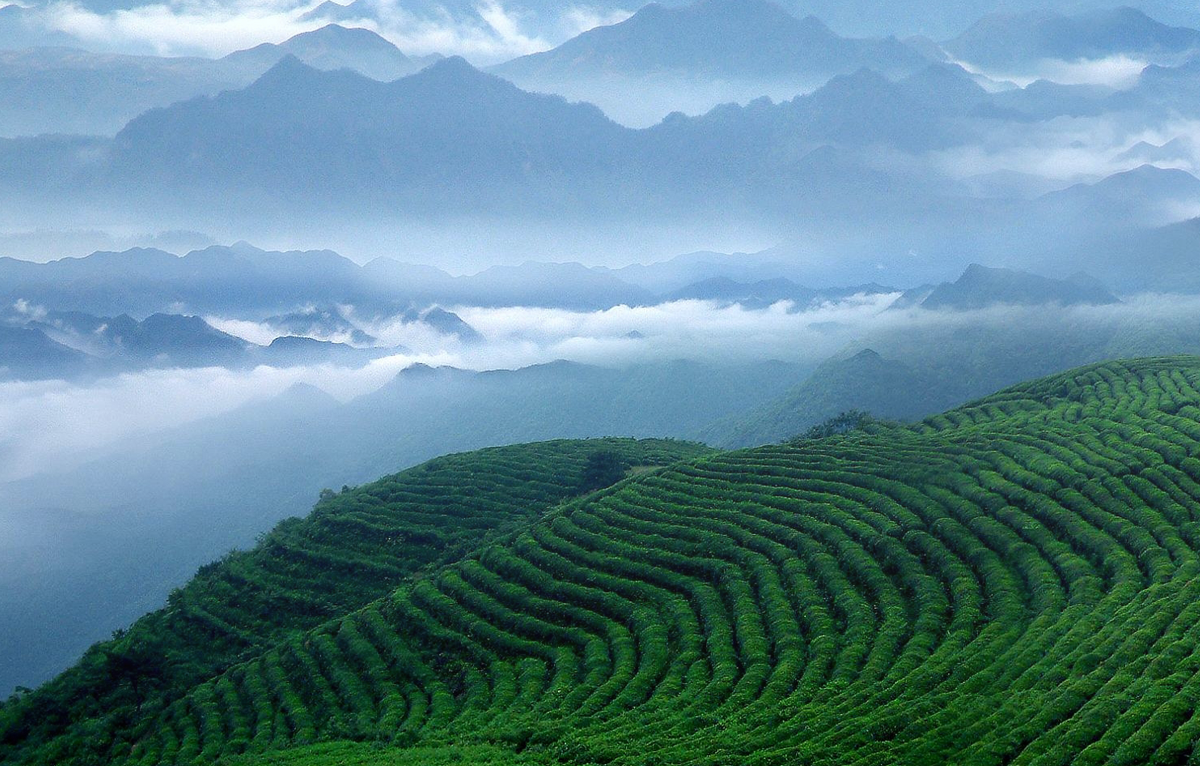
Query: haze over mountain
(192, 493)
(980, 287)
(306, 286)
(68, 90)
(451, 140)
(1020, 43)
(936, 159)
(82, 347)
(749, 47)
(334, 47)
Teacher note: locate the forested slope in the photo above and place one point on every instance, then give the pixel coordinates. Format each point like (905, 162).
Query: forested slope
(1012, 582)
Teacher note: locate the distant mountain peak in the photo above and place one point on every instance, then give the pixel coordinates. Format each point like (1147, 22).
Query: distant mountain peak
(982, 286)
(330, 48)
(355, 39)
(1026, 39)
(455, 77)
(867, 355)
(454, 66)
(335, 31)
(732, 38)
(288, 69)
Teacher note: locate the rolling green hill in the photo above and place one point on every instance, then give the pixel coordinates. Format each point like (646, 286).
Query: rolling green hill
(356, 546)
(1014, 581)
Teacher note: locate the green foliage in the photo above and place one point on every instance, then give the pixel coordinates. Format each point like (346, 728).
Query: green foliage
(602, 469)
(356, 546)
(1014, 581)
(842, 423)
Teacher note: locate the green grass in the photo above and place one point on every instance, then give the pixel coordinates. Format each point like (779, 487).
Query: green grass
(1013, 582)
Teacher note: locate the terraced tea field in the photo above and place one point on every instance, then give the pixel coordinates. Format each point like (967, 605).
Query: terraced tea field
(1013, 582)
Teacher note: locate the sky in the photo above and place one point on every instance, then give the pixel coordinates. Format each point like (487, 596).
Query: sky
(492, 33)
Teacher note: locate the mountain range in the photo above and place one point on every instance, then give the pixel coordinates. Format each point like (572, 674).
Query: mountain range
(73, 345)
(68, 90)
(452, 139)
(982, 287)
(689, 58)
(1021, 42)
(338, 150)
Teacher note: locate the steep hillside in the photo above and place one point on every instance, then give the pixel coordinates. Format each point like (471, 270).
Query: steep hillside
(866, 381)
(355, 546)
(1011, 582)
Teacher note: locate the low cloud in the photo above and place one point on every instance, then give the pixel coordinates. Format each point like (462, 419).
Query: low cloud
(1069, 149)
(1119, 71)
(178, 28)
(56, 424)
(489, 33)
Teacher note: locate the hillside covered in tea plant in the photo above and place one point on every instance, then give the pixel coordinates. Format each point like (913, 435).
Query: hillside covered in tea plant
(356, 546)
(1014, 581)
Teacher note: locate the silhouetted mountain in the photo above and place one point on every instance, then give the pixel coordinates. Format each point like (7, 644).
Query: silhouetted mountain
(1175, 86)
(144, 281)
(1044, 100)
(865, 381)
(321, 324)
(750, 39)
(331, 11)
(1144, 195)
(449, 130)
(28, 353)
(333, 47)
(980, 287)
(173, 340)
(1015, 41)
(1160, 259)
(765, 292)
(64, 90)
(160, 340)
(292, 351)
(1178, 149)
(451, 140)
(449, 323)
(664, 277)
(309, 289)
(71, 344)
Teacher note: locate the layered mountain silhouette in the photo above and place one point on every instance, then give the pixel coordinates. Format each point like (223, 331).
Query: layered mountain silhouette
(749, 39)
(452, 138)
(334, 47)
(296, 292)
(1148, 194)
(980, 287)
(1010, 42)
(28, 352)
(299, 132)
(767, 292)
(67, 90)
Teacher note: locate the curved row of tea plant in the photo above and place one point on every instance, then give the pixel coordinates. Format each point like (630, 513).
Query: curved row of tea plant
(1014, 582)
(356, 546)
